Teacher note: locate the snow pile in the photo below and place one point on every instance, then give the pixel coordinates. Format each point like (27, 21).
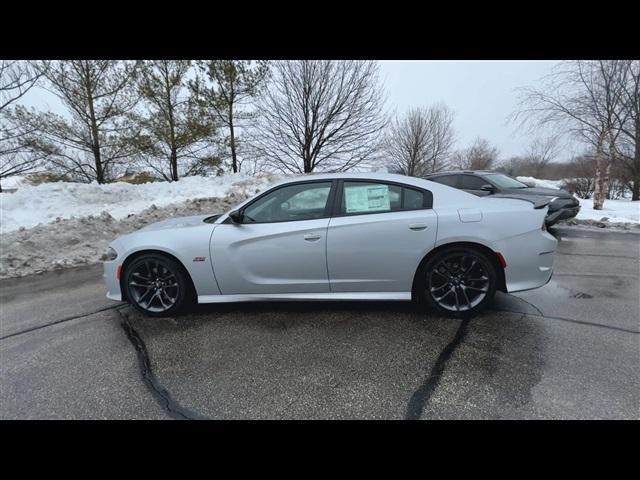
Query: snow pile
(10, 183)
(615, 211)
(82, 241)
(557, 184)
(33, 205)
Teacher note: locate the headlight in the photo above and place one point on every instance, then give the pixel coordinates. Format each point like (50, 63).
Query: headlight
(109, 255)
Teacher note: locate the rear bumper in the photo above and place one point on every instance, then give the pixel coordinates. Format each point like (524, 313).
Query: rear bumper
(529, 260)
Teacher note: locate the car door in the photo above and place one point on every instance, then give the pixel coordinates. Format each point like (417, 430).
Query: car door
(378, 236)
(280, 246)
(473, 184)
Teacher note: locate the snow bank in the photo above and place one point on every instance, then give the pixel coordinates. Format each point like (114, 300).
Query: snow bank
(9, 183)
(33, 205)
(616, 211)
(83, 240)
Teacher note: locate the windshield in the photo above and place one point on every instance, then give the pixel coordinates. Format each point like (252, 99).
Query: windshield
(503, 181)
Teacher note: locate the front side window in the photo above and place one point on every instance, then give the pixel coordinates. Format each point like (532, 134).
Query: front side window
(294, 202)
(375, 197)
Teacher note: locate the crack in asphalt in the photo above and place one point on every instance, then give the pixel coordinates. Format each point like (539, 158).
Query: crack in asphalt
(424, 393)
(528, 303)
(62, 320)
(564, 319)
(571, 320)
(159, 393)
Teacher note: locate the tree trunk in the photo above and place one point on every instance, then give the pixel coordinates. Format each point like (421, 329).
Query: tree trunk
(174, 164)
(232, 142)
(599, 192)
(95, 147)
(636, 170)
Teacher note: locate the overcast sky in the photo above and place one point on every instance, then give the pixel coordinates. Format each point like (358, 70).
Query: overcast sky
(482, 94)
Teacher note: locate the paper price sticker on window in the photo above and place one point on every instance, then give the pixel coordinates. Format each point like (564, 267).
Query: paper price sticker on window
(367, 198)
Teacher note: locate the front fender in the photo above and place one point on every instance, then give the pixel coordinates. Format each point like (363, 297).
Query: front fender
(190, 246)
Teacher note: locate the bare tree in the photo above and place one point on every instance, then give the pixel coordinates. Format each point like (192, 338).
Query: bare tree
(540, 153)
(420, 141)
(16, 79)
(480, 155)
(583, 98)
(320, 115)
(224, 88)
(90, 141)
(629, 122)
(175, 134)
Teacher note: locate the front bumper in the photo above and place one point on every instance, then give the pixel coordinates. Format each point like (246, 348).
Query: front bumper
(111, 280)
(562, 214)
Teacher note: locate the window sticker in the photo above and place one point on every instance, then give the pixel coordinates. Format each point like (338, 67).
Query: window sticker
(367, 198)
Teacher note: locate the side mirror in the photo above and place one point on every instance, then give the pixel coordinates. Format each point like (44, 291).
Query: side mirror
(488, 188)
(236, 216)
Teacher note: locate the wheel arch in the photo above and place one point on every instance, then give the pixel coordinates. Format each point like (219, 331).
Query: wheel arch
(138, 253)
(491, 254)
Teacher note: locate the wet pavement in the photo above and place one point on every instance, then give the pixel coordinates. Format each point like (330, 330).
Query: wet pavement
(568, 350)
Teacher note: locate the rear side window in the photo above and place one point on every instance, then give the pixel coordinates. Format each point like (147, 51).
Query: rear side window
(378, 197)
(471, 182)
(450, 180)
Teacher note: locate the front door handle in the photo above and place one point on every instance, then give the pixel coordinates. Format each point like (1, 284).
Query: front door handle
(417, 226)
(310, 237)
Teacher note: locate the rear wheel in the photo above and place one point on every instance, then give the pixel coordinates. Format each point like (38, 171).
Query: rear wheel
(157, 285)
(458, 282)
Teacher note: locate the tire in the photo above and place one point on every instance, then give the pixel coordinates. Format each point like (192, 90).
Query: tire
(457, 282)
(157, 285)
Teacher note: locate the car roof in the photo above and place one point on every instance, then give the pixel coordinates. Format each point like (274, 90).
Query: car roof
(391, 177)
(442, 193)
(458, 172)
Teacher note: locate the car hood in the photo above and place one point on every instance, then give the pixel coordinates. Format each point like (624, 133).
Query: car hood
(551, 192)
(180, 222)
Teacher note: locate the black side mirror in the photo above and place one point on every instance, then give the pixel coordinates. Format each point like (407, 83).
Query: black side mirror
(236, 216)
(488, 188)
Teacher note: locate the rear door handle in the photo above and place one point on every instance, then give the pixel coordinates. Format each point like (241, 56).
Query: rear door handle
(310, 237)
(417, 226)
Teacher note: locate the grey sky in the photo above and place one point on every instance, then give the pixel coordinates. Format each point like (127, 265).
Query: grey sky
(482, 93)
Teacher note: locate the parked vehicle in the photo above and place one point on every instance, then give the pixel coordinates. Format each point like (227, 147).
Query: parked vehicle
(339, 237)
(562, 205)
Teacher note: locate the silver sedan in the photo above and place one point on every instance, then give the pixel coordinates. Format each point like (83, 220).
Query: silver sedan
(339, 237)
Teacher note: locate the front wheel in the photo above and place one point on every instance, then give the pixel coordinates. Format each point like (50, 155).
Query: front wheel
(458, 282)
(157, 285)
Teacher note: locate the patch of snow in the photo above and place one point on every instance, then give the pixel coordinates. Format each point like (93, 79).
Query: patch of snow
(616, 211)
(541, 183)
(33, 205)
(10, 183)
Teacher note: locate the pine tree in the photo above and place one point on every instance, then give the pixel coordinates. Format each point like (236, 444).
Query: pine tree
(90, 141)
(175, 136)
(224, 87)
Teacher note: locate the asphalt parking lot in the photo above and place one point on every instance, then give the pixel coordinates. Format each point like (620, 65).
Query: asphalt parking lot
(570, 350)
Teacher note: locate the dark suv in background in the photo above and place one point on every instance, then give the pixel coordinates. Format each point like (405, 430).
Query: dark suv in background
(487, 182)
